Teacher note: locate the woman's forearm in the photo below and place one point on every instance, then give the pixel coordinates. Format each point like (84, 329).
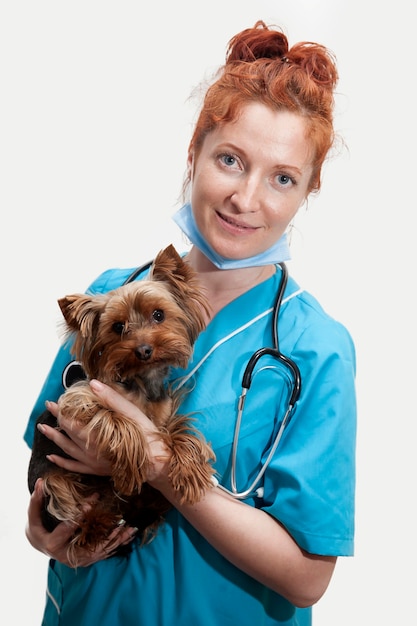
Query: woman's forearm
(257, 544)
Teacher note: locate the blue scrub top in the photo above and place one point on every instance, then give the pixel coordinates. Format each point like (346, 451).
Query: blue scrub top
(179, 579)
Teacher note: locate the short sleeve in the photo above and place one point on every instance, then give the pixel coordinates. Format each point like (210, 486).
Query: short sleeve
(310, 484)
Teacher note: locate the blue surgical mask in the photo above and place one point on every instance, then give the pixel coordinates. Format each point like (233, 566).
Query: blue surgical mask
(279, 252)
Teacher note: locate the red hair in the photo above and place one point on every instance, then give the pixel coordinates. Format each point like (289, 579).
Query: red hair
(261, 68)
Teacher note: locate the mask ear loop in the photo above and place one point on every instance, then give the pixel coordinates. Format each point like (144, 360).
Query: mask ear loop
(188, 182)
(292, 228)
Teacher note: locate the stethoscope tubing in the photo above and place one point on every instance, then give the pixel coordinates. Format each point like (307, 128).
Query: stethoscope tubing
(253, 489)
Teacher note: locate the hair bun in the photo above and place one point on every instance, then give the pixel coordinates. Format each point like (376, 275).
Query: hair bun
(261, 42)
(255, 43)
(316, 61)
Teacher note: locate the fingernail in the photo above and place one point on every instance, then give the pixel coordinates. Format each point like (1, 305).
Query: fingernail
(96, 385)
(122, 522)
(41, 428)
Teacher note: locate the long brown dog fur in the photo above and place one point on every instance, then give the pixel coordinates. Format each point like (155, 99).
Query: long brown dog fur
(128, 338)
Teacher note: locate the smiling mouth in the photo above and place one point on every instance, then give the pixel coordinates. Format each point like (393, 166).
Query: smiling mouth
(233, 223)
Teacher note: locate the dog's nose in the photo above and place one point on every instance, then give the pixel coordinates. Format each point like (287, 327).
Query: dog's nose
(144, 352)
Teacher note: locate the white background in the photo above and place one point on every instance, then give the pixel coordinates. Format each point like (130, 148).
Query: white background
(94, 127)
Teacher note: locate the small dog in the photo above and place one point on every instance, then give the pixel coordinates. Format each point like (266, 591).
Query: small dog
(127, 338)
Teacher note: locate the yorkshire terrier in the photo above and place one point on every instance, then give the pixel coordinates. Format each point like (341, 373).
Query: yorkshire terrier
(129, 339)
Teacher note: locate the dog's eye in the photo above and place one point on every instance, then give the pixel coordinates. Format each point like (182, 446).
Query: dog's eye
(118, 328)
(158, 316)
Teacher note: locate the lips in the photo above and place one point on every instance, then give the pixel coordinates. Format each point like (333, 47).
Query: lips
(234, 223)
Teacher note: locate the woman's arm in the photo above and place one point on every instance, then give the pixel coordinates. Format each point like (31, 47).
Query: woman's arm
(250, 538)
(257, 544)
(55, 544)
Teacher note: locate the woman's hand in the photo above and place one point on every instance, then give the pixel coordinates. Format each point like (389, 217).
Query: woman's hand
(55, 544)
(159, 454)
(84, 457)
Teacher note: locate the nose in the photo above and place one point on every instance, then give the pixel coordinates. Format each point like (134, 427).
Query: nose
(143, 352)
(247, 195)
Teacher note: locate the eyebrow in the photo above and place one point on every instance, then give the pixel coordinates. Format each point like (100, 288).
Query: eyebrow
(289, 168)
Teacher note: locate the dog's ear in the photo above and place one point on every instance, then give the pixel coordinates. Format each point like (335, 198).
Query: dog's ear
(170, 268)
(167, 265)
(82, 317)
(82, 312)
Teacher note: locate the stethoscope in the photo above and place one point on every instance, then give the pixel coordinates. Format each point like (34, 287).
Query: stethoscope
(292, 367)
(254, 490)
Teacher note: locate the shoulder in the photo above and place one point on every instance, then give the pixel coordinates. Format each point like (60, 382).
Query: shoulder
(309, 324)
(115, 277)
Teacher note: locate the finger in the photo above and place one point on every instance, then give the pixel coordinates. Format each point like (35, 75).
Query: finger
(80, 459)
(52, 407)
(35, 504)
(73, 428)
(70, 465)
(96, 466)
(51, 543)
(121, 536)
(128, 536)
(63, 442)
(114, 400)
(61, 534)
(77, 463)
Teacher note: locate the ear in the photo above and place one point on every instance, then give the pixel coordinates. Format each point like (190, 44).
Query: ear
(168, 266)
(190, 165)
(182, 281)
(82, 312)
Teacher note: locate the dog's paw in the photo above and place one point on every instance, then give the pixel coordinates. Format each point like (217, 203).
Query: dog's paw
(127, 451)
(191, 470)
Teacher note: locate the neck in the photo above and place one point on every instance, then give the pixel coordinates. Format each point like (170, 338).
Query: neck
(223, 286)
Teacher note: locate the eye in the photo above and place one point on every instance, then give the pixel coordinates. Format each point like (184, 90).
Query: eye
(284, 180)
(158, 316)
(118, 327)
(228, 160)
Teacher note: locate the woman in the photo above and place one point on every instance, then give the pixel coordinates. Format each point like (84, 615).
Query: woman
(263, 133)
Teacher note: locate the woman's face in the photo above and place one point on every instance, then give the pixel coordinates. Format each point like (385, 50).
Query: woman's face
(249, 179)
